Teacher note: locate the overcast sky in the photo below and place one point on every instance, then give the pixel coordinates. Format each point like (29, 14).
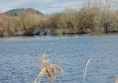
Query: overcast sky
(45, 6)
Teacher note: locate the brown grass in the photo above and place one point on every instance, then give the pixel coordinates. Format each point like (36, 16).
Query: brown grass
(48, 70)
(94, 19)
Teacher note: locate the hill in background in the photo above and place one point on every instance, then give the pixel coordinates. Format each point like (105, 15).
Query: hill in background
(16, 12)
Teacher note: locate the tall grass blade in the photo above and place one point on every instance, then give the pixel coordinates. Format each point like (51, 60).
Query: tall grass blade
(88, 62)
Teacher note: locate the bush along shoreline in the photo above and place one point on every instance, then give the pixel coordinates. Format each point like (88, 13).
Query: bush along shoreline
(88, 20)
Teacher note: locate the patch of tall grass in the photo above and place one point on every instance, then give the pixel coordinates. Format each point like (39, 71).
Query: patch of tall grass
(89, 19)
(48, 70)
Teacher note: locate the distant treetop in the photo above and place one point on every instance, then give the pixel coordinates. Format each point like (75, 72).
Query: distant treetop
(16, 12)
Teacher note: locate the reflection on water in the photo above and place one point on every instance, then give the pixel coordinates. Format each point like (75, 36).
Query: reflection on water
(20, 57)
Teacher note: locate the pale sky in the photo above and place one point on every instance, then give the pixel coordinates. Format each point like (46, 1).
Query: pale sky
(45, 6)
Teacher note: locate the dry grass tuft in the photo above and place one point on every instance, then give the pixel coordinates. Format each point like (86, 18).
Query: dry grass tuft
(48, 70)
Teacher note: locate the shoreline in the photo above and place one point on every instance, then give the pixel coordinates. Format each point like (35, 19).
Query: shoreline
(90, 34)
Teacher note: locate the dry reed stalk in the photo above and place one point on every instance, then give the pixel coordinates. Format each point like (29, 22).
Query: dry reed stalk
(88, 62)
(48, 70)
(116, 80)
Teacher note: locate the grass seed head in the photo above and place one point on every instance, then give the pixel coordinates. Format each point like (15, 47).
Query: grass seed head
(48, 70)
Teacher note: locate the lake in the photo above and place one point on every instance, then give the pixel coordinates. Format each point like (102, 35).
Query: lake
(20, 58)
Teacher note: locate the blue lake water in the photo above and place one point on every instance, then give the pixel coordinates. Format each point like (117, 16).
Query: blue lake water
(20, 58)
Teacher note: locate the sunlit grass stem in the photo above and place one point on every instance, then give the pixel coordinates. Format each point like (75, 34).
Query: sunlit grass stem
(48, 70)
(88, 62)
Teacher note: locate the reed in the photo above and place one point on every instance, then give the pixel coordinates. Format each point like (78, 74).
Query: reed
(88, 62)
(48, 70)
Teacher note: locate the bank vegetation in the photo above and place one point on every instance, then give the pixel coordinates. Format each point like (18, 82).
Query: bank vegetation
(90, 19)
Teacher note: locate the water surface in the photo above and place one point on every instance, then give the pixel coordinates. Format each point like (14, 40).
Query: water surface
(20, 58)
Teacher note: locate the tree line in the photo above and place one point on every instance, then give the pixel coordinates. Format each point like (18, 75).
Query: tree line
(93, 19)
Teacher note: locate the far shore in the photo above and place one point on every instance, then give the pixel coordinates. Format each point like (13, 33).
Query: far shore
(90, 34)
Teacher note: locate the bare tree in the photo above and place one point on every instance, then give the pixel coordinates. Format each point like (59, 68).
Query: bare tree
(107, 15)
